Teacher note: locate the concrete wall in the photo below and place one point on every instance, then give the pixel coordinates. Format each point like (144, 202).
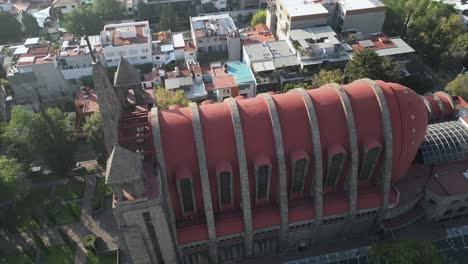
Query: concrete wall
(133, 53)
(438, 208)
(360, 22)
(234, 49)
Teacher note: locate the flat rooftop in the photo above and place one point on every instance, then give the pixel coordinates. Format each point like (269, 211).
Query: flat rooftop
(213, 25)
(78, 46)
(41, 54)
(350, 5)
(125, 34)
(449, 179)
(383, 45)
(261, 34)
(271, 55)
(297, 8)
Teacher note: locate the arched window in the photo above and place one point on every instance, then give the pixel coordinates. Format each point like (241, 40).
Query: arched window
(335, 167)
(299, 165)
(262, 182)
(369, 160)
(225, 188)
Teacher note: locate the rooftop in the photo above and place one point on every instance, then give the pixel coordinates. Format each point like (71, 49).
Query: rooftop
(383, 45)
(260, 34)
(72, 46)
(213, 25)
(222, 80)
(241, 72)
(125, 34)
(87, 101)
(40, 54)
(296, 8)
(360, 4)
(275, 54)
(449, 179)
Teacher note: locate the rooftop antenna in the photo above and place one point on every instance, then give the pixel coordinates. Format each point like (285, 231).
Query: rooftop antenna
(86, 38)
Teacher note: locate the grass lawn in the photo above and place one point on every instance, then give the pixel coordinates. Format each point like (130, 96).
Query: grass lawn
(19, 259)
(93, 259)
(58, 255)
(72, 190)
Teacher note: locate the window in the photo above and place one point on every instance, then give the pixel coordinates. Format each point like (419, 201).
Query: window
(143, 58)
(368, 162)
(263, 173)
(191, 53)
(130, 9)
(186, 194)
(157, 57)
(335, 166)
(73, 6)
(224, 182)
(298, 177)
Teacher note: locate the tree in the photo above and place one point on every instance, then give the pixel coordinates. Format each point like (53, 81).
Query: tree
(31, 28)
(83, 20)
(93, 126)
(327, 76)
(10, 28)
(405, 252)
(459, 86)
(368, 64)
(52, 138)
(143, 11)
(166, 98)
(12, 178)
(166, 17)
(16, 136)
(209, 8)
(258, 18)
(109, 9)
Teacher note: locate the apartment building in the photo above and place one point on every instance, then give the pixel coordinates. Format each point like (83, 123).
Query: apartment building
(131, 41)
(273, 64)
(74, 57)
(34, 77)
(216, 37)
(285, 15)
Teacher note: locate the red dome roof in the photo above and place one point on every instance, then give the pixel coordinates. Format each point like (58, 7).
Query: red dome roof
(408, 120)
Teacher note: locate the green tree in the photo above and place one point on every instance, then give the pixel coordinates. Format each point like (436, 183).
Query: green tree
(12, 179)
(209, 8)
(83, 20)
(52, 137)
(327, 76)
(405, 252)
(258, 18)
(93, 126)
(368, 64)
(16, 136)
(166, 98)
(166, 17)
(109, 9)
(31, 28)
(459, 86)
(10, 28)
(143, 12)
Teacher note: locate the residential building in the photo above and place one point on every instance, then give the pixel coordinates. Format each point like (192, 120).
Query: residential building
(34, 77)
(66, 6)
(273, 64)
(247, 4)
(189, 80)
(219, 4)
(74, 57)
(295, 14)
(261, 33)
(366, 16)
(317, 46)
(215, 38)
(262, 175)
(131, 41)
(285, 15)
(232, 79)
(86, 104)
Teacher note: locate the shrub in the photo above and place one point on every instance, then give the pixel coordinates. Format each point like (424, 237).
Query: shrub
(90, 242)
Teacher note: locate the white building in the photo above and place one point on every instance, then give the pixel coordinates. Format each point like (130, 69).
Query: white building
(66, 6)
(74, 57)
(366, 16)
(129, 40)
(219, 4)
(216, 35)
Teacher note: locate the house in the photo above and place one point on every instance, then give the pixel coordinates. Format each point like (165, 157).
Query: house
(66, 6)
(34, 77)
(285, 15)
(74, 57)
(215, 38)
(232, 79)
(130, 40)
(273, 64)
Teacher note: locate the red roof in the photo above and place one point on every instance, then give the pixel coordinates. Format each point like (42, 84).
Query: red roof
(222, 80)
